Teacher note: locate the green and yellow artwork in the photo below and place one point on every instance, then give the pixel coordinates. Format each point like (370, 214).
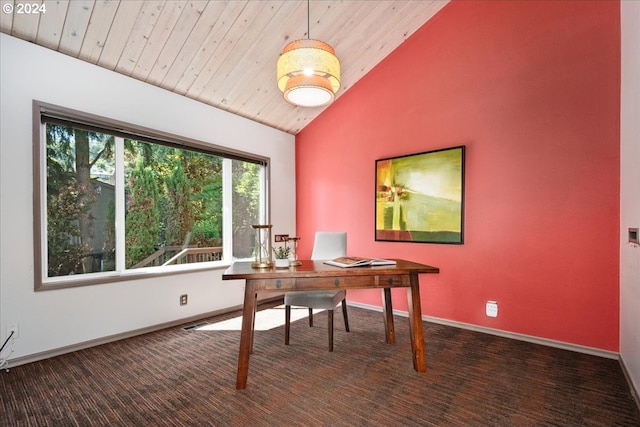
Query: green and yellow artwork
(420, 197)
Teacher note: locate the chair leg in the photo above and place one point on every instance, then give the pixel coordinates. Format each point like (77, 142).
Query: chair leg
(287, 323)
(311, 317)
(344, 314)
(330, 322)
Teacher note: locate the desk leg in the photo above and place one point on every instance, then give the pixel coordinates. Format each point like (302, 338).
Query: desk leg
(246, 335)
(253, 322)
(415, 325)
(387, 310)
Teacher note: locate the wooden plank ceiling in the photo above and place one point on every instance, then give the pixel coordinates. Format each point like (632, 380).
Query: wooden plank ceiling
(221, 53)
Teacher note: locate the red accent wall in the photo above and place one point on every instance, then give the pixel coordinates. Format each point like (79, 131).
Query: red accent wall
(533, 90)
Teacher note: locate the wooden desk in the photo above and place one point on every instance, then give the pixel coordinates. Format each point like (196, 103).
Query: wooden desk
(315, 275)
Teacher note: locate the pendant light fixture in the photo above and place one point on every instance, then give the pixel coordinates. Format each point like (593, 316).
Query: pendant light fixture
(308, 71)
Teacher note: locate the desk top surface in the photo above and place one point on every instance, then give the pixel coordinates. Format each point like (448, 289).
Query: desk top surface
(243, 270)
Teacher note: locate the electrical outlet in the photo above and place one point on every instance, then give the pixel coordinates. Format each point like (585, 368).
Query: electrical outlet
(492, 309)
(183, 299)
(280, 237)
(15, 330)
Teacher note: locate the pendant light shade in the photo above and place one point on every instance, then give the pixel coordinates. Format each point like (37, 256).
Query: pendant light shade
(308, 91)
(308, 73)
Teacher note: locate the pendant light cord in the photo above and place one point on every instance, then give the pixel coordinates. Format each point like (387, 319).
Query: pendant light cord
(308, 22)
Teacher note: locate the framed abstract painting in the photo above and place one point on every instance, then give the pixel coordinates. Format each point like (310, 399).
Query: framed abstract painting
(420, 197)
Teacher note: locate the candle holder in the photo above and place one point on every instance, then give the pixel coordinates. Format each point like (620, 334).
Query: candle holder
(262, 249)
(293, 252)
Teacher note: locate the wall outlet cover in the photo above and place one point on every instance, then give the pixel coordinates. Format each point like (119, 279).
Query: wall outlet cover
(492, 309)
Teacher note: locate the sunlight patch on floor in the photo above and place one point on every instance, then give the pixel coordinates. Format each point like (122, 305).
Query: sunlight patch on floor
(265, 320)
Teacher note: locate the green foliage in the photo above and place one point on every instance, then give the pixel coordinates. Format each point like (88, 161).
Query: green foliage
(206, 233)
(246, 206)
(60, 157)
(246, 187)
(205, 175)
(109, 245)
(70, 196)
(180, 212)
(64, 239)
(142, 219)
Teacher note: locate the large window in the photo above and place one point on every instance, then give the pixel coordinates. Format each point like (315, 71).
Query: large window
(115, 201)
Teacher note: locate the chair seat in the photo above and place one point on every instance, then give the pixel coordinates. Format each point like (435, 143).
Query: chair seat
(323, 300)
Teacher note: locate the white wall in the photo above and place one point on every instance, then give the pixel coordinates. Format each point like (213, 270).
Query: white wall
(630, 190)
(51, 320)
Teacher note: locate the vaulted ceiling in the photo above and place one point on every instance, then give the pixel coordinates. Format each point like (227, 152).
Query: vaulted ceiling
(221, 53)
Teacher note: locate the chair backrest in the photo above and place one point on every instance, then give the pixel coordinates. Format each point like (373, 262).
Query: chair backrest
(329, 245)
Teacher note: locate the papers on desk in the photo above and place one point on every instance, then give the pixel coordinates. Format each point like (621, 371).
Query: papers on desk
(347, 262)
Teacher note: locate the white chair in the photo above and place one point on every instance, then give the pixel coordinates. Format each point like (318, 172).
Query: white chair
(327, 245)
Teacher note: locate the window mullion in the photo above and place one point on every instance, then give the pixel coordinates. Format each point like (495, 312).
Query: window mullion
(264, 195)
(42, 176)
(120, 204)
(227, 213)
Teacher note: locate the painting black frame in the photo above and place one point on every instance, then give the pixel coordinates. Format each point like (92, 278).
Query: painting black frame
(428, 207)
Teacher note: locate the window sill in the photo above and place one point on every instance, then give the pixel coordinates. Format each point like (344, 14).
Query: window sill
(129, 275)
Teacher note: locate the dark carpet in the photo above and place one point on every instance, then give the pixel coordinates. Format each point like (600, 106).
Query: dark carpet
(176, 377)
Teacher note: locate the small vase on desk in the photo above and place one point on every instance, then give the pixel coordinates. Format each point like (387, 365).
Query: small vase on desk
(282, 262)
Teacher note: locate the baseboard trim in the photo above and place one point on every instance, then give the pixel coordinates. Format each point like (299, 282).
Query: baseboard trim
(12, 363)
(513, 335)
(632, 386)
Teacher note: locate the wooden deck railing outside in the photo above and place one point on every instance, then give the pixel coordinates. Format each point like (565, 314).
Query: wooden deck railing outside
(168, 255)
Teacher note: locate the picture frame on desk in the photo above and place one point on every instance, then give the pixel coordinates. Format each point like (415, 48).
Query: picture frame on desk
(420, 197)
